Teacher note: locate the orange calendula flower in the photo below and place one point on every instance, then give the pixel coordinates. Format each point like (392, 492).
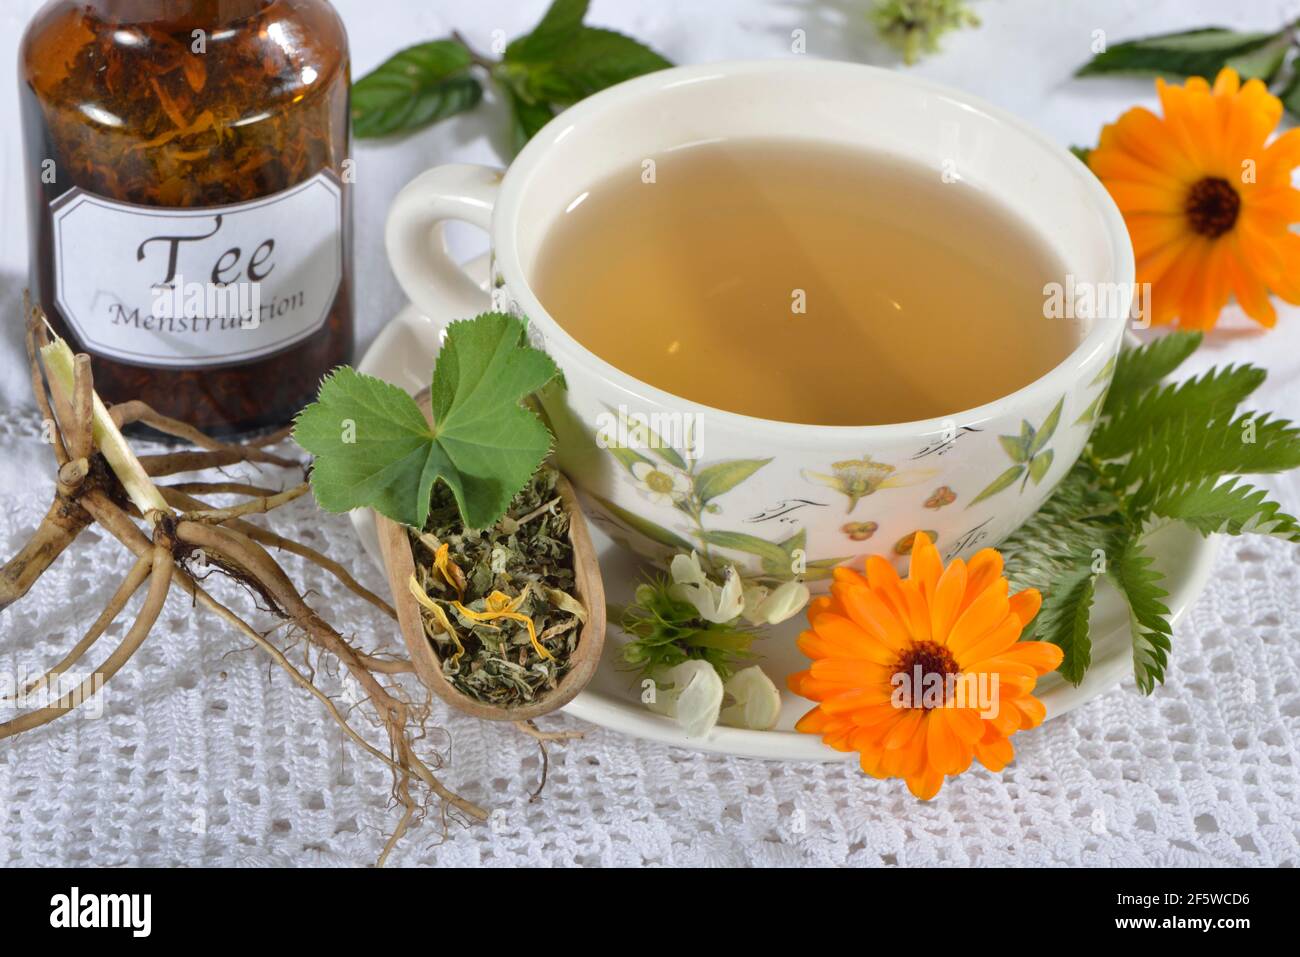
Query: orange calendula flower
(923, 675)
(1207, 199)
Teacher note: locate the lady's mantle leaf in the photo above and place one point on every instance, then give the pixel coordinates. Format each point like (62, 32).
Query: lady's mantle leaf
(373, 447)
(413, 88)
(371, 443)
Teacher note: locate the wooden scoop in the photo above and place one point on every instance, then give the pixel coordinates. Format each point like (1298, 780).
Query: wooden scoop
(399, 562)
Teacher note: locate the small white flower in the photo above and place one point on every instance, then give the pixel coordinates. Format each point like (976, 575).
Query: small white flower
(716, 603)
(756, 704)
(661, 484)
(764, 606)
(692, 696)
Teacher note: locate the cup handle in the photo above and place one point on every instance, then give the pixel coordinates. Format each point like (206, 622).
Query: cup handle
(417, 249)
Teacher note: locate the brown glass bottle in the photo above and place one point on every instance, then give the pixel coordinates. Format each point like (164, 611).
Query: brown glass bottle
(189, 211)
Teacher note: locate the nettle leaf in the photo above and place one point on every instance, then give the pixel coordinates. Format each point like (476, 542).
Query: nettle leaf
(414, 88)
(1231, 507)
(374, 449)
(724, 476)
(1132, 571)
(1200, 52)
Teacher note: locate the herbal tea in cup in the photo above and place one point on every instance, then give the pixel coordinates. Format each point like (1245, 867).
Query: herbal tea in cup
(804, 282)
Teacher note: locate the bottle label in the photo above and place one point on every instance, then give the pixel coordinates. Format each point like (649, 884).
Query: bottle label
(202, 286)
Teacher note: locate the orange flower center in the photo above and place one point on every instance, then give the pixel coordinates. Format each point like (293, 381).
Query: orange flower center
(931, 658)
(1212, 206)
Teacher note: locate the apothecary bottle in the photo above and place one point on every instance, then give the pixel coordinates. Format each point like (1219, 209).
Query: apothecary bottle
(188, 183)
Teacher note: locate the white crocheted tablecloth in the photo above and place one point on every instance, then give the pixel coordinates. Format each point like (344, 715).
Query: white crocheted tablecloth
(206, 754)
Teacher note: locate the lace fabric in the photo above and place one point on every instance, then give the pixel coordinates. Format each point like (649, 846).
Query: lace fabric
(206, 754)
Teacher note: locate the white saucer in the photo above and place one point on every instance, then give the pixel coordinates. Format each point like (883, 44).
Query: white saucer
(612, 698)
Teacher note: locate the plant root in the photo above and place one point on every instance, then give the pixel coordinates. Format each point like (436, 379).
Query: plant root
(181, 532)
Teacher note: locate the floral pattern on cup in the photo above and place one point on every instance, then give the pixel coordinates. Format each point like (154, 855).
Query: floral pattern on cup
(855, 479)
(904, 545)
(1031, 458)
(859, 531)
(942, 496)
(669, 477)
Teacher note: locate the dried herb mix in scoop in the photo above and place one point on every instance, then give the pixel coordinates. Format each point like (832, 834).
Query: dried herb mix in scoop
(499, 603)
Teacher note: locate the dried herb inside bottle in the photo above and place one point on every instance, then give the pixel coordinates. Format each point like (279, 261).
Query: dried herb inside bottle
(189, 215)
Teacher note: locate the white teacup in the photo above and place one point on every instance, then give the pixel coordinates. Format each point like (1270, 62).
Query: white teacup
(775, 498)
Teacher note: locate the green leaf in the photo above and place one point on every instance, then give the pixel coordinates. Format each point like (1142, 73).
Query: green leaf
(1290, 94)
(653, 441)
(1090, 413)
(418, 86)
(656, 533)
(1232, 507)
(1046, 430)
(1213, 394)
(373, 447)
(1039, 465)
(751, 544)
(1082, 152)
(627, 457)
(1130, 568)
(1005, 480)
(724, 476)
(1015, 446)
(588, 61)
(1106, 372)
(371, 441)
(1201, 52)
(1138, 369)
(561, 22)
(1063, 620)
(526, 118)
(1188, 448)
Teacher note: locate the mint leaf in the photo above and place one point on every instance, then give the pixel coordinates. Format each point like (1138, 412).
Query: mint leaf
(587, 62)
(558, 25)
(1200, 52)
(526, 119)
(561, 62)
(374, 448)
(418, 86)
